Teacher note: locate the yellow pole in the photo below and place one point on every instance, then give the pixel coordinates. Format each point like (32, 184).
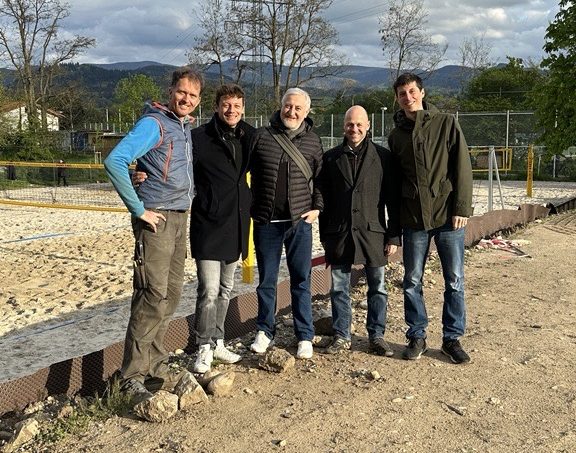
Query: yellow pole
(530, 171)
(248, 263)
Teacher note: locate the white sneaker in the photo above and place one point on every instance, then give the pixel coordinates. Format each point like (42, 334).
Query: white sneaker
(261, 343)
(203, 359)
(225, 355)
(305, 350)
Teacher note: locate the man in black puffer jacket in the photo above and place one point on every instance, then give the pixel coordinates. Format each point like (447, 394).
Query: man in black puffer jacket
(284, 206)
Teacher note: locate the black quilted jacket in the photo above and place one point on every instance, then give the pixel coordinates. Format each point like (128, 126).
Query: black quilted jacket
(266, 154)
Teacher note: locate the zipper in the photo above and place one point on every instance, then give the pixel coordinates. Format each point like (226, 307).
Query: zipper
(167, 163)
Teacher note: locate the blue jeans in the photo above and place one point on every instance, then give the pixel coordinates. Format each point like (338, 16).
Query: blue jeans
(342, 309)
(215, 283)
(450, 246)
(268, 241)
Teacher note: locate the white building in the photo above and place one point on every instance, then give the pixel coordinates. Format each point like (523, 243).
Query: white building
(15, 115)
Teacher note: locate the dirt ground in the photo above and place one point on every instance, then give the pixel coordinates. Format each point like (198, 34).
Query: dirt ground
(518, 394)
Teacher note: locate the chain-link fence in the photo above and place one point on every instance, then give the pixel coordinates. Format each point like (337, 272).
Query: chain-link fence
(510, 130)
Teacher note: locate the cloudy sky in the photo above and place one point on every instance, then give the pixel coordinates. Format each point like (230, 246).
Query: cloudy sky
(163, 31)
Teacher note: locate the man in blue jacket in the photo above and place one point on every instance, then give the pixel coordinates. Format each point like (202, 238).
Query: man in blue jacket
(161, 143)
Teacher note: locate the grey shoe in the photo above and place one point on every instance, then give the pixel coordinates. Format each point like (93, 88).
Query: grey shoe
(416, 347)
(135, 390)
(338, 346)
(381, 347)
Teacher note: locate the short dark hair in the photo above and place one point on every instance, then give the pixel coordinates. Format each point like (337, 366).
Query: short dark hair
(186, 72)
(229, 90)
(405, 79)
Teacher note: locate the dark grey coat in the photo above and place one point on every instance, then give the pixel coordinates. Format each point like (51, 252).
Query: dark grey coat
(353, 227)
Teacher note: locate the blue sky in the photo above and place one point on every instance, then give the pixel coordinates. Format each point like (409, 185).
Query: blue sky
(164, 30)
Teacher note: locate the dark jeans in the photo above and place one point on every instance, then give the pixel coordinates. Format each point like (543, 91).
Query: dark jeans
(268, 241)
(450, 246)
(215, 283)
(158, 281)
(377, 298)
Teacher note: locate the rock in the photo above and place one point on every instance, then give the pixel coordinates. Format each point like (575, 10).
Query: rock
(5, 435)
(397, 400)
(363, 304)
(248, 391)
(162, 406)
(282, 443)
(277, 360)
(33, 408)
(26, 430)
(323, 325)
(65, 411)
(375, 375)
(222, 384)
(494, 401)
(216, 383)
(189, 392)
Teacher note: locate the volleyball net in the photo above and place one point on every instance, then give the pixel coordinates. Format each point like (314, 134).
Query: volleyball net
(58, 185)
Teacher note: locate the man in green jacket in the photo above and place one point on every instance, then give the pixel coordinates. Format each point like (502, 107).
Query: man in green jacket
(432, 158)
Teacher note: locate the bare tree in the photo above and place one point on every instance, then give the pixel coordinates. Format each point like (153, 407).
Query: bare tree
(291, 36)
(474, 58)
(405, 40)
(29, 42)
(215, 45)
(475, 53)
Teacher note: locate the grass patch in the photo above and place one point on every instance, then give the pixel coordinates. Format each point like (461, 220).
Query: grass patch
(87, 411)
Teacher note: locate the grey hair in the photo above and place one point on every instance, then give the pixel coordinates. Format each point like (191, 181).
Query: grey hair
(299, 92)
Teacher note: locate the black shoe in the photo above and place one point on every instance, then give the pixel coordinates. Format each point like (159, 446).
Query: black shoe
(338, 346)
(416, 347)
(380, 347)
(135, 390)
(453, 349)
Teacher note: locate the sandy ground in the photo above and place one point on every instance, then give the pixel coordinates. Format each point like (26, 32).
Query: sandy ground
(517, 394)
(65, 277)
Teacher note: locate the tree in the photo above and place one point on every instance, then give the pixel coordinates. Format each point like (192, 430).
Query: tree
(474, 57)
(29, 42)
(132, 92)
(556, 99)
(503, 88)
(405, 40)
(217, 43)
(291, 36)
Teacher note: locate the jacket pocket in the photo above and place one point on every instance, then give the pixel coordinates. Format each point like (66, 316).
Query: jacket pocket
(441, 188)
(376, 227)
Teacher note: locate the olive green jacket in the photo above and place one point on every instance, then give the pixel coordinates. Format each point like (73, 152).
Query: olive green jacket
(431, 155)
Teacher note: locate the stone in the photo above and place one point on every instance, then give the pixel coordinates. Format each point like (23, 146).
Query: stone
(323, 325)
(26, 430)
(189, 392)
(375, 375)
(277, 360)
(162, 406)
(65, 411)
(221, 385)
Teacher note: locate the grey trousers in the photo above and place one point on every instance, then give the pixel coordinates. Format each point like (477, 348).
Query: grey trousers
(215, 283)
(158, 278)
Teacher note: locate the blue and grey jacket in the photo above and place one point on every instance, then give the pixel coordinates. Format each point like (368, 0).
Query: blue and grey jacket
(162, 146)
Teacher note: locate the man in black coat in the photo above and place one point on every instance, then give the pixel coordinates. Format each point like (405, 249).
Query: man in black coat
(220, 219)
(357, 186)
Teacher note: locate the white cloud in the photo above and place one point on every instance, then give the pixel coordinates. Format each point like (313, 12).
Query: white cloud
(135, 30)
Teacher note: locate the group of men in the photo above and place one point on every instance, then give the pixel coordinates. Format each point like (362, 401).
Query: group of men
(368, 199)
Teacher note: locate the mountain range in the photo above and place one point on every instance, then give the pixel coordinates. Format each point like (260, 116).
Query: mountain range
(101, 79)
